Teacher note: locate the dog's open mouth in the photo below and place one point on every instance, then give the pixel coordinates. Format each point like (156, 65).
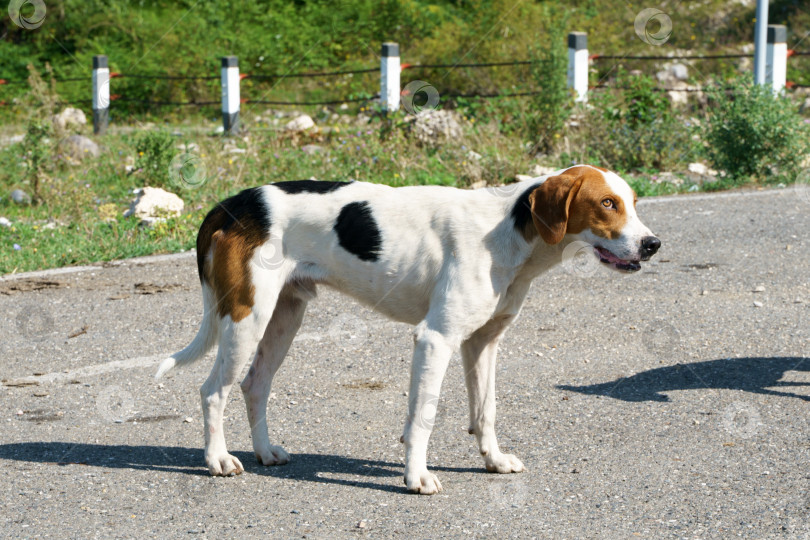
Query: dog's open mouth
(625, 265)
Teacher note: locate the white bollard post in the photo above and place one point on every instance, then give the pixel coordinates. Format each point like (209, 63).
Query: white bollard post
(101, 94)
(230, 94)
(578, 65)
(389, 77)
(776, 57)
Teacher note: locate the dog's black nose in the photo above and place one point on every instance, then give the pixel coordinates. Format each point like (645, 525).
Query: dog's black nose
(649, 246)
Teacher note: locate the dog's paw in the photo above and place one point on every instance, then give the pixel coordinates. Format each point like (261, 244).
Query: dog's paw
(504, 463)
(424, 483)
(272, 455)
(223, 465)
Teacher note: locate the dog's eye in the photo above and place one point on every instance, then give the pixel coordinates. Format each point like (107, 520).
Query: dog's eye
(608, 203)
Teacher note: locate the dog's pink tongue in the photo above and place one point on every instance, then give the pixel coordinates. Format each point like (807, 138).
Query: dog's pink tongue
(608, 256)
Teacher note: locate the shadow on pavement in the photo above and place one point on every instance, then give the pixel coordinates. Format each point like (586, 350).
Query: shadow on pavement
(328, 469)
(757, 375)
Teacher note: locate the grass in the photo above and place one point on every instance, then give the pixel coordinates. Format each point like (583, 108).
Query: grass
(79, 219)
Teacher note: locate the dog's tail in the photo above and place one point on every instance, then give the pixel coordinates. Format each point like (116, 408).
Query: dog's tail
(207, 336)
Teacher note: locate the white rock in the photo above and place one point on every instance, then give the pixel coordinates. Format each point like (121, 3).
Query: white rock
(758, 304)
(542, 170)
(69, 117)
(435, 126)
(153, 204)
(79, 147)
(300, 123)
(4, 222)
(679, 71)
(475, 156)
(523, 177)
(20, 197)
(698, 168)
(237, 151)
(759, 288)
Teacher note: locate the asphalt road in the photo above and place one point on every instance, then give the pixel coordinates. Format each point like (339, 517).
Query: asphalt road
(672, 403)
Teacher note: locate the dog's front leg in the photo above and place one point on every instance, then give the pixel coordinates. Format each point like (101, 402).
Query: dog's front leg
(431, 355)
(478, 353)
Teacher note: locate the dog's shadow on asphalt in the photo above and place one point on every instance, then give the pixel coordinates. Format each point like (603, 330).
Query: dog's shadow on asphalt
(322, 468)
(756, 375)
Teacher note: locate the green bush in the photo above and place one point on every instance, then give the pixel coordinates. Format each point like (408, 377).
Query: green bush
(552, 107)
(632, 129)
(155, 153)
(753, 135)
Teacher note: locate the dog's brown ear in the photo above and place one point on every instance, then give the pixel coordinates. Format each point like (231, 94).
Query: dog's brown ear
(550, 203)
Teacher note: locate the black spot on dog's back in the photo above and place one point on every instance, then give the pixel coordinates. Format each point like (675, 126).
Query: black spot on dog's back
(522, 211)
(294, 187)
(358, 232)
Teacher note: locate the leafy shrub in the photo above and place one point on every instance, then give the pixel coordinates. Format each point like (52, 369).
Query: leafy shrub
(632, 129)
(37, 152)
(752, 134)
(155, 153)
(552, 107)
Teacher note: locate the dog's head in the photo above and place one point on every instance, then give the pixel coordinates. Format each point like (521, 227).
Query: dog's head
(596, 206)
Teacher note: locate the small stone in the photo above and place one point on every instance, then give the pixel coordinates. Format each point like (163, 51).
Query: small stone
(704, 292)
(542, 170)
(79, 147)
(20, 412)
(522, 177)
(4, 222)
(698, 168)
(300, 123)
(362, 524)
(69, 117)
(758, 304)
(759, 288)
(475, 156)
(154, 203)
(188, 419)
(20, 197)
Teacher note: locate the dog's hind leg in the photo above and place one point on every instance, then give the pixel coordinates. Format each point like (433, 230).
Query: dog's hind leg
(270, 354)
(478, 353)
(237, 342)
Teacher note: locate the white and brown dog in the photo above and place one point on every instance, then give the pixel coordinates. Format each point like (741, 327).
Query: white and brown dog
(455, 263)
